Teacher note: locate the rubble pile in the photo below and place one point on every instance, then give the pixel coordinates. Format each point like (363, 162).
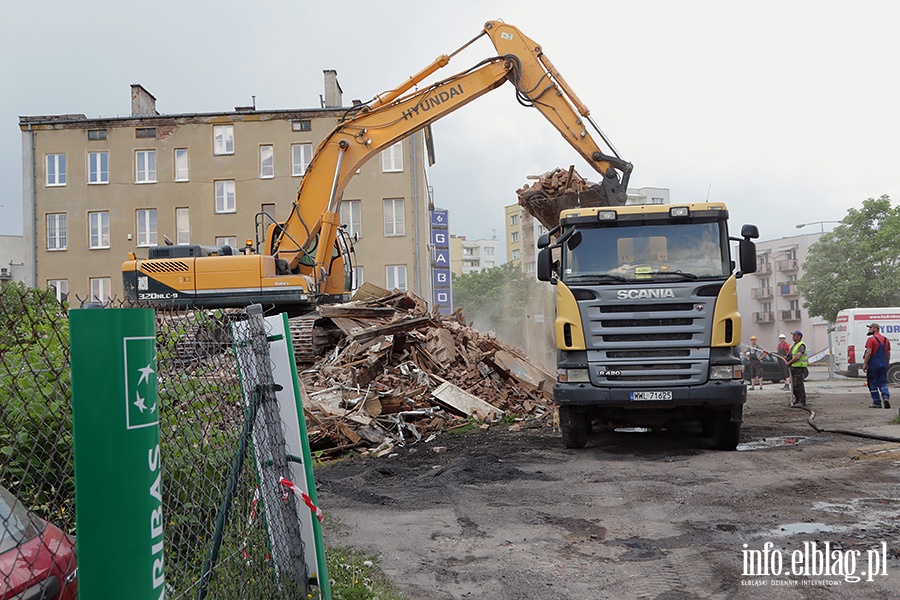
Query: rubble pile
(555, 191)
(401, 374)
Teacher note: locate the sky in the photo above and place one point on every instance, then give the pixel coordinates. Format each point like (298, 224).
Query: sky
(786, 111)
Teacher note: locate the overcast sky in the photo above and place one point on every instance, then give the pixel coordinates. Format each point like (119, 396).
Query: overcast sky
(787, 111)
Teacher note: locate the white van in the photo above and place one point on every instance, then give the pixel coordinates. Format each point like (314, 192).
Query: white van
(850, 339)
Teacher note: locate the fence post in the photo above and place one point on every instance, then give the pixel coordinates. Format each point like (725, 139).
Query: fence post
(118, 491)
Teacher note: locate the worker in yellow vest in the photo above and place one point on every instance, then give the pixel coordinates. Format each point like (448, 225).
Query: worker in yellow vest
(798, 361)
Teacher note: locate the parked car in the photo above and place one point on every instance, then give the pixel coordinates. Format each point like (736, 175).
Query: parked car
(37, 559)
(771, 368)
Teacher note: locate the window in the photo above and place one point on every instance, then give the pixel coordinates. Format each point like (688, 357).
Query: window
(56, 231)
(351, 216)
(145, 132)
(358, 278)
(656, 200)
(529, 268)
(766, 307)
(56, 169)
(301, 125)
(183, 226)
(223, 139)
(301, 154)
(146, 227)
(100, 288)
(98, 223)
(225, 201)
(394, 217)
(515, 254)
(269, 209)
(514, 236)
(181, 164)
(468, 251)
(60, 287)
(145, 166)
(488, 250)
(795, 305)
(227, 240)
(392, 159)
(98, 167)
(513, 219)
(395, 277)
(96, 134)
(266, 162)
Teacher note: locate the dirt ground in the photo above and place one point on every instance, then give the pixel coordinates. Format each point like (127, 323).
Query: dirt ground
(507, 514)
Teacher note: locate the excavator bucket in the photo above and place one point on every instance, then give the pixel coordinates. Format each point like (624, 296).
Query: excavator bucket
(559, 190)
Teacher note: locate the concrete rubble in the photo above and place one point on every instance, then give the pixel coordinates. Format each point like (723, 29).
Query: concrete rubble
(400, 374)
(558, 190)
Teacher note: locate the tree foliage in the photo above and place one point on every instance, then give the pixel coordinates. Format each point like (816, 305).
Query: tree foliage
(856, 264)
(496, 299)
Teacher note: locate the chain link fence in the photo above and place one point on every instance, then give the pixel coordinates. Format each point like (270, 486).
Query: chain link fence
(227, 531)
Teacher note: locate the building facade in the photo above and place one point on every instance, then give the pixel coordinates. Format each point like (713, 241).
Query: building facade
(96, 189)
(13, 259)
(468, 256)
(770, 301)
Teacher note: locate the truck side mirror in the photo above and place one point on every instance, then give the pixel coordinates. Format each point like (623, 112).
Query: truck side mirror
(543, 240)
(747, 251)
(545, 265)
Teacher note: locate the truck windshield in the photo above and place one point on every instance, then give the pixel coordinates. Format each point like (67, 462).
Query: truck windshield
(640, 252)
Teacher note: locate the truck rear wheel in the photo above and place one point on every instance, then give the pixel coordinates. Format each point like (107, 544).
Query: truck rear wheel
(893, 374)
(725, 433)
(574, 426)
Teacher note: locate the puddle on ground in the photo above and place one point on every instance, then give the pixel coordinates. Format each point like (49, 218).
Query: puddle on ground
(798, 528)
(773, 442)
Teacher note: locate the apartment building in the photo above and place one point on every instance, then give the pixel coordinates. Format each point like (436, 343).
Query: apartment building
(770, 301)
(467, 256)
(12, 258)
(96, 189)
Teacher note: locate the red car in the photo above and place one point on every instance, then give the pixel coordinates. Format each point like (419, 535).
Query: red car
(37, 560)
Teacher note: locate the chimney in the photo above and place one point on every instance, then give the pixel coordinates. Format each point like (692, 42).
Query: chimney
(333, 91)
(142, 102)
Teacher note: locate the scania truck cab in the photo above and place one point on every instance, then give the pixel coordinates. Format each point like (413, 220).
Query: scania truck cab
(647, 326)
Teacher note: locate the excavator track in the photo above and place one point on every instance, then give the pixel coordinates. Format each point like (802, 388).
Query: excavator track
(310, 337)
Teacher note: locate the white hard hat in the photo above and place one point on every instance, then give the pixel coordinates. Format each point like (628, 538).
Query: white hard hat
(782, 336)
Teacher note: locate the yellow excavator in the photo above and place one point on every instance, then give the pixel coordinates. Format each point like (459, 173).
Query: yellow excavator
(304, 260)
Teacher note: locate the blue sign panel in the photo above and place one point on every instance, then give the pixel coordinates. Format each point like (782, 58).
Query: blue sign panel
(439, 218)
(440, 278)
(442, 258)
(440, 238)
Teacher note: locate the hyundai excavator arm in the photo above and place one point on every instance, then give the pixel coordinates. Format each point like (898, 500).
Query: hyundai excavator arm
(395, 114)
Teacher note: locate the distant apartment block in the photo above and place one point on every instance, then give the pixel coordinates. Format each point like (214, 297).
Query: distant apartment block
(467, 256)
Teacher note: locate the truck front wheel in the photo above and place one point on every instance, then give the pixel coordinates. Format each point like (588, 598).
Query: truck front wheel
(574, 426)
(725, 433)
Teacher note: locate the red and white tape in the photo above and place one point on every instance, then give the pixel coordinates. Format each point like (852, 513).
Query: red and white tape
(306, 499)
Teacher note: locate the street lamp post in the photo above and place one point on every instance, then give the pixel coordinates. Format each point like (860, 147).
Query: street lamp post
(820, 223)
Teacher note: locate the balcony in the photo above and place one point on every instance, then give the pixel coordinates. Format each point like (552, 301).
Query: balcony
(790, 315)
(787, 265)
(761, 293)
(763, 269)
(764, 317)
(788, 289)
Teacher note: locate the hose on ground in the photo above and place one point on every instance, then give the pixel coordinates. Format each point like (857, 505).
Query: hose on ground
(871, 436)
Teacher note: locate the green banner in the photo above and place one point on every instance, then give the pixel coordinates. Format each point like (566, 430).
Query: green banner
(118, 491)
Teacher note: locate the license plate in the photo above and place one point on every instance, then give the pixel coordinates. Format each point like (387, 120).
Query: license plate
(651, 395)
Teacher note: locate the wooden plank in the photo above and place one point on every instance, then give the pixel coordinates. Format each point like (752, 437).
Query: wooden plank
(356, 312)
(458, 399)
(390, 329)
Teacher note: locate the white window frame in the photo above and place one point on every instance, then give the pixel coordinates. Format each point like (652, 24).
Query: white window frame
(395, 277)
(226, 240)
(351, 216)
(144, 171)
(98, 167)
(223, 140)
(515, 254)
(226, 196)
(55, 175)
(182, 225)
(100, 288)
(394, 219)
(514, 237)
(98, 230)
(57, 232)
(392, 158)
(358, 278)
(60, 287)
(301, 155)
(146, 225)
(182, 163)
(513, 219)
(266, 161)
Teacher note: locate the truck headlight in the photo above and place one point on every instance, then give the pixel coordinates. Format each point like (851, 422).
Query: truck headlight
(573, 375)
(726, 372)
